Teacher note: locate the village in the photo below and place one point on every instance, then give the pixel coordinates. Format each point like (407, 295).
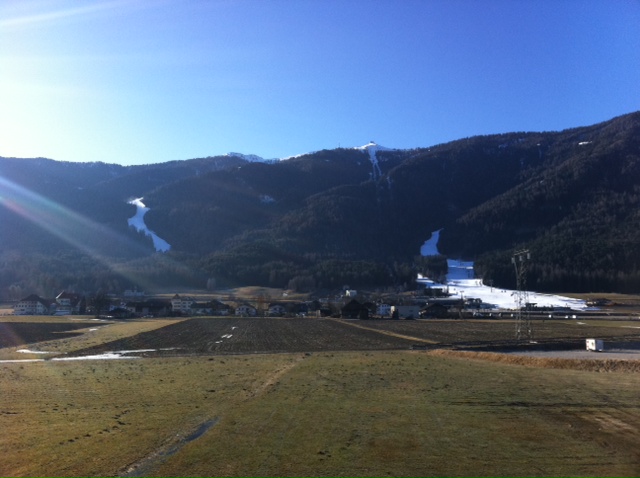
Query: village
(347, 304)
(425, 303)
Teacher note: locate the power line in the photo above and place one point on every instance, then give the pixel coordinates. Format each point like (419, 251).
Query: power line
(520, 260)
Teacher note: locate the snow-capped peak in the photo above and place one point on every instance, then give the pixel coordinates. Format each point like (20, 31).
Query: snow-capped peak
(372, 146)
(252, 158)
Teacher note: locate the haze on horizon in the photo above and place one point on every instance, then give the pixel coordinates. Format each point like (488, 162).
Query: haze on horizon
(137, 82)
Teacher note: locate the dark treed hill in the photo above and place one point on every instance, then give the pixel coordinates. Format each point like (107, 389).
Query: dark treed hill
(491, 194)
(579, 214)
(64, 192)
(139, 180)
(65, 182)
(338, 217)
(201, 214)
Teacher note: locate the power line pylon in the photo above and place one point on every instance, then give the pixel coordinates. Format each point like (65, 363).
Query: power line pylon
(524, 330)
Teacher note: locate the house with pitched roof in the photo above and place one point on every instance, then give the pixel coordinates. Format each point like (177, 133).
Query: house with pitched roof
(34, 305)
(68, 303)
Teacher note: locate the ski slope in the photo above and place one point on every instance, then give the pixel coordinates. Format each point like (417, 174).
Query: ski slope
(461, 282)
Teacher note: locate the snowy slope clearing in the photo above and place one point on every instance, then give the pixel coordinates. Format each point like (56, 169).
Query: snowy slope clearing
(137, 222)
(371, 148)
(461, 282)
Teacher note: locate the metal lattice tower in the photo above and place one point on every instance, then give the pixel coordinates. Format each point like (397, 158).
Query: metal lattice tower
(524, 329)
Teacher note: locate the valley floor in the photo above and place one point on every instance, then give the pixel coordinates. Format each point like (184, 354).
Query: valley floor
(316, 412)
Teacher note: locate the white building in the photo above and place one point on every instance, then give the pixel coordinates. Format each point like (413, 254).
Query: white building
(383, 310)
(32, 305)
(406, 311)
(182, 305)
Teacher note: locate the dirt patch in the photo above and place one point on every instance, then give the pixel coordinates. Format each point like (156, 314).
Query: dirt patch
(253, 335)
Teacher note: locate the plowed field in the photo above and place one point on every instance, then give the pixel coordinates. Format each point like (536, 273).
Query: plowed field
(254, 335)
(22, 333)
(500, 332)
(214, 336)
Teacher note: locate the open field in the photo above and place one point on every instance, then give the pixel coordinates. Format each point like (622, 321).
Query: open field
(492, 331)
(220, 411)
(254, 335)
(76, 337)
(20, 333)
(61, 335)
(326, 414)
(205, 336)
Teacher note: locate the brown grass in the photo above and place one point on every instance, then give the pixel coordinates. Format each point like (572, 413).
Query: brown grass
(398, 413)
(369, 413)
(94, 418)
(48, 318)
(595, 365)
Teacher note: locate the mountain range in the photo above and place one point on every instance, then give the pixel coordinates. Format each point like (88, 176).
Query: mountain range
(353, 216)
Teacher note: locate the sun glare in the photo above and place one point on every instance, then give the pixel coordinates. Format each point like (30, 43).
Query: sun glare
(67, 225)
(60, 14)
(49, 215)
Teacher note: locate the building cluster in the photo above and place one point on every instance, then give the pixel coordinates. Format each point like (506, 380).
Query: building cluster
(137, 306)
(344, 306)
(65, 303)
(420, 309)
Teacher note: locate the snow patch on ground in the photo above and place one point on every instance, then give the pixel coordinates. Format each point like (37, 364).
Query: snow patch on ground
(104, 356)
(430, 246)
(21, 360)
(461, 283)
(120, 354)
(137, 222)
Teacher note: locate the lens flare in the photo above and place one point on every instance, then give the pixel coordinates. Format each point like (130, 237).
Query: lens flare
(74, 229)
(62, 222)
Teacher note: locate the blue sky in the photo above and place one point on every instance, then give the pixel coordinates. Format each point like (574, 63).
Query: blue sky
(135, 82)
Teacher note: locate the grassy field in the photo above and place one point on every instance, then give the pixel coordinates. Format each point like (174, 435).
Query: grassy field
(343, 413)
(325, 414)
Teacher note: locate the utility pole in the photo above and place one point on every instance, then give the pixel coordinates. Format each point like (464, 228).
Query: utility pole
(520, 260)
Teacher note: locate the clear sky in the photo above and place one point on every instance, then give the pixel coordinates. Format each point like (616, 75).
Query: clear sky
(146, 81)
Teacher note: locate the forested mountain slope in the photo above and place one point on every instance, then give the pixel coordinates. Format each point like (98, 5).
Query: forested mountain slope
(349, 215)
